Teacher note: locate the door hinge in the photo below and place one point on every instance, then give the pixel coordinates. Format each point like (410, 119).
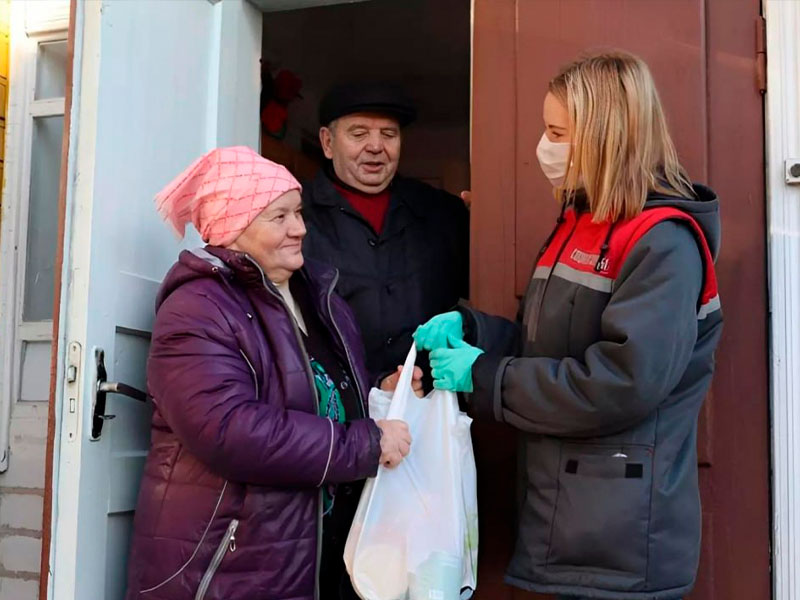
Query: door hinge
(761, 54)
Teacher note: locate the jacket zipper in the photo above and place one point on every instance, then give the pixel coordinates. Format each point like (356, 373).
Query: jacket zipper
(353, 372)
(196, 549)
(228, 543)
(252, 369)
(296, 330)
(549, 276)
(316, 405)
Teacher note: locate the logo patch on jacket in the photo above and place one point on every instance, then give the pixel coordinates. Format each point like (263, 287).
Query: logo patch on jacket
(588, 258)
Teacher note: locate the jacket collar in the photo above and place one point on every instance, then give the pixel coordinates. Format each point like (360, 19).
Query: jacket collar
(404, 207)
(325, 192)
(239, 266)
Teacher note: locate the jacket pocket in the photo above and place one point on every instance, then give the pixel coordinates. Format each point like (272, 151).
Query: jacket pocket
(227, 544)
(602, 513)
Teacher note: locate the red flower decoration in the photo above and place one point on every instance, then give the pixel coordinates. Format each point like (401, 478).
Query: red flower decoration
(273, 117)
(287, 86)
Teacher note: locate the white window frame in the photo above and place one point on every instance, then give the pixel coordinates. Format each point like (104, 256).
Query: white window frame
(783, 235)
(26, 36)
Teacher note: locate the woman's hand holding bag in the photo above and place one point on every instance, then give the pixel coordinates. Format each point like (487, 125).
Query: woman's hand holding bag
(395, 442)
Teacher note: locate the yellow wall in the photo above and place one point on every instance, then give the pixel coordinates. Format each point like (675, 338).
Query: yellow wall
(5, 9)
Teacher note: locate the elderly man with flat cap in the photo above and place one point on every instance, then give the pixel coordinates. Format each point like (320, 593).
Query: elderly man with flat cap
(401, 246)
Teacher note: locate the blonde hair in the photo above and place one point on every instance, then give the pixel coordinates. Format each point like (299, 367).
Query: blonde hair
(621, 147)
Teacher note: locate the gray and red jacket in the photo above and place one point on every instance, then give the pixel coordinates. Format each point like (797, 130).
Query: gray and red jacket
(604, 375)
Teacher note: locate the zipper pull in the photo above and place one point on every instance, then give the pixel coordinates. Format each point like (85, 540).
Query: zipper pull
(232, 544)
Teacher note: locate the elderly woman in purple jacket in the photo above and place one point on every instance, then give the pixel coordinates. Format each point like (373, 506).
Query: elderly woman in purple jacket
(260, 431)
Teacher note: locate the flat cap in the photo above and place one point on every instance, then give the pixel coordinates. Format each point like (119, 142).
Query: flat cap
(381, 98)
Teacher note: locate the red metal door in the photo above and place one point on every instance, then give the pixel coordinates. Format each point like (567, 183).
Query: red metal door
(703, 57)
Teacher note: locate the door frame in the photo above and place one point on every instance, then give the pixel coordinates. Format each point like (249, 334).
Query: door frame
(47, 509)
(56, 360)
(783, 228)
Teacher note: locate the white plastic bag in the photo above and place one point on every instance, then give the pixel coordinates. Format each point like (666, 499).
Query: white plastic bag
(415, 533)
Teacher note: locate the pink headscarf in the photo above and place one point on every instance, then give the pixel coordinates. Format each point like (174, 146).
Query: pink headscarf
(222, 192)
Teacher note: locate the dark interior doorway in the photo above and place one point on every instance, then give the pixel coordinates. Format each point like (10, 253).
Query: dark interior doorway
(421, 45)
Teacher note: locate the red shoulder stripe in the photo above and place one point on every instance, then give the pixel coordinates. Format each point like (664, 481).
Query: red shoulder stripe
(651, 217)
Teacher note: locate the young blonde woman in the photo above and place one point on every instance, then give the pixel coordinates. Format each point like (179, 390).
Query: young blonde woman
(605, 371)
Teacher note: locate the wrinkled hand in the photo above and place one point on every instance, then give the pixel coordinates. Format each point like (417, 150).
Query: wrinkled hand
(436, 332)
(395, 442)
(389, 383)
(452, 367)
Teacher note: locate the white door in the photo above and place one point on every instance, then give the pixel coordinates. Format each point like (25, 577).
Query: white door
(155, 84)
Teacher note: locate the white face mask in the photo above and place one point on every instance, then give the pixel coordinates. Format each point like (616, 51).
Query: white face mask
(553, 158)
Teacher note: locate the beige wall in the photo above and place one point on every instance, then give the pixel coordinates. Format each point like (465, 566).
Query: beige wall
(21, 495)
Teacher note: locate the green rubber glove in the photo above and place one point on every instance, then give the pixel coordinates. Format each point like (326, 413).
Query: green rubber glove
(452, 367)
(435, 332)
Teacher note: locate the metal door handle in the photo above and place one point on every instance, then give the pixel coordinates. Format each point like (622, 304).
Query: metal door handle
(111, 387)
(108, 387)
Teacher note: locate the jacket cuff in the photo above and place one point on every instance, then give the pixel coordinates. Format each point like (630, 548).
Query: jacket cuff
(371, 461)
(375, 435)
(469, 324)
(485, 401)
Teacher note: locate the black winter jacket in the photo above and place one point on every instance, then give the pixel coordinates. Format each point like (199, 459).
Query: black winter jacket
(416, 268)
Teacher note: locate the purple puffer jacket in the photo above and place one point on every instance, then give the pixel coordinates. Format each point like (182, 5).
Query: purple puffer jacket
(229, 506)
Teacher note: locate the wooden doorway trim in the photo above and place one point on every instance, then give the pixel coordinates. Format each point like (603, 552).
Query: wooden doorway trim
(492, 263)
(494, 134)
(47, 511)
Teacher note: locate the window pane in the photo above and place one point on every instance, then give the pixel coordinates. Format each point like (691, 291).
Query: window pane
(51, 71)
(42, 218)
(35, 382)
